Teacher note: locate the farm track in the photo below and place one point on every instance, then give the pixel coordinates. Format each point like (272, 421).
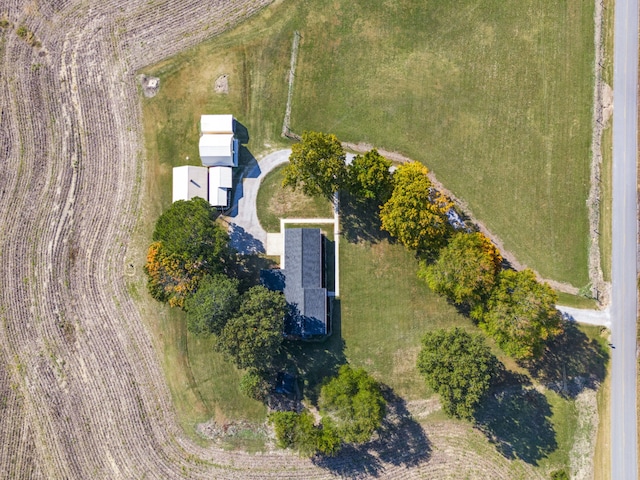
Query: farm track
(82, 394)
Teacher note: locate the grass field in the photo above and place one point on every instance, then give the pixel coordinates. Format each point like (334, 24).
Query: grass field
(605, 203)
(278, 202)
(602, 460)
(607, 148)
(575, 301)
(495, 97)
(385, 312)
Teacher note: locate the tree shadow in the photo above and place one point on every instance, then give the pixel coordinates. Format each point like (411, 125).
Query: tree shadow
(400, 441)
(516, 419)
(243, 241)
(313, 361)
(571, 362)
(360, 220)
(248, 269)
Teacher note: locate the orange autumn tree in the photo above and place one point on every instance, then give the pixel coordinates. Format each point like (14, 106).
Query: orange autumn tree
(170, 278)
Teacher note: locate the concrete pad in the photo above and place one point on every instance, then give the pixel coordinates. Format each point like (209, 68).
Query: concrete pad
(590, 317)
(274, 244)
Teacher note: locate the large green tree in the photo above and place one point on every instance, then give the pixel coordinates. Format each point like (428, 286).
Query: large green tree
(253, 337)
(466, 269)
(416, 212)
(187, 245)
(521, 315)
(459, 367)
(316, 165)
(189, 230)
(354, 404)
(213, 304)
(369, 177)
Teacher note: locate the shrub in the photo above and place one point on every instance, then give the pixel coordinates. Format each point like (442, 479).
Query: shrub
(255, 386)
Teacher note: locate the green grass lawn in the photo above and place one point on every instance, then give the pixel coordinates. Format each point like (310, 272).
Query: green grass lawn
(385, 311)
(605, 202)
(606, 148)
(495, 97)
(277, 202)
(575, 301)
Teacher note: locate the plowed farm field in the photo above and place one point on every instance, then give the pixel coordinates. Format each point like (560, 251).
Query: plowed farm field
(82, 391)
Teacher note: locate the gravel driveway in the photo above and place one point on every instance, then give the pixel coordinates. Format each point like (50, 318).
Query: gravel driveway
(247, 235)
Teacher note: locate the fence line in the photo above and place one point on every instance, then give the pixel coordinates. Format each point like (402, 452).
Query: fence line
(286, 131)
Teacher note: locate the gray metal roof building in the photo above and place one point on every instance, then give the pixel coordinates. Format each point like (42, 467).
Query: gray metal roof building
(301, 281)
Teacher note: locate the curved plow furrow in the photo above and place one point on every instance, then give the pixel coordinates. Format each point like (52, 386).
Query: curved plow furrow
(82, 393)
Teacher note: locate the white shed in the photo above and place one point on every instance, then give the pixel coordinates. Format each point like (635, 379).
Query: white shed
(218, 150)
(216, 124)
(220, 182)
(189, 182)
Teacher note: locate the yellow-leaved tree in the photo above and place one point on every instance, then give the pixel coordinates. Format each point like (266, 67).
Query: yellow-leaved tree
(416, 212)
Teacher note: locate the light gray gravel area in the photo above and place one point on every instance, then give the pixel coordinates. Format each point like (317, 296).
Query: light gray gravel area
(247, 235)
(589, 317)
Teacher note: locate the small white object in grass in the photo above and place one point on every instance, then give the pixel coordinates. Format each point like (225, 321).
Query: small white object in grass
(187, 158)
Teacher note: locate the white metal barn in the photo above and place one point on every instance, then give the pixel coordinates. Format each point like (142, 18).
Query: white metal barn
(218, 147)
(220, 182)
(216, 124)
(189, 182)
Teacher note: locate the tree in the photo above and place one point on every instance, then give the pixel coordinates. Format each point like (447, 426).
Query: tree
(298, 431)
(459, 367)
(416, 212)
(354, 404)
(187, 245)
(285, 425)
(369, 177)
(212, 305)
(170, 278)
(254, 385)
(188, 229)
(328, 441)
(521, 315)
(316, 165)
(253, 337)
(466, 269)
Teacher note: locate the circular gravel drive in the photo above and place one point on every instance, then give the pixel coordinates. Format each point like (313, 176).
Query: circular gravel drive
(247, 235)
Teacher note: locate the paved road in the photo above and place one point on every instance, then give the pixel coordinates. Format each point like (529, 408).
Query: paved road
(624, 301)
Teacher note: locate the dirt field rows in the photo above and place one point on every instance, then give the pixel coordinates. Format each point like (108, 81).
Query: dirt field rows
(82, 393)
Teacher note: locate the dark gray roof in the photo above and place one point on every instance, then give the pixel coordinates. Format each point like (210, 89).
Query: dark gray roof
(303, 256)
(303, 282)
